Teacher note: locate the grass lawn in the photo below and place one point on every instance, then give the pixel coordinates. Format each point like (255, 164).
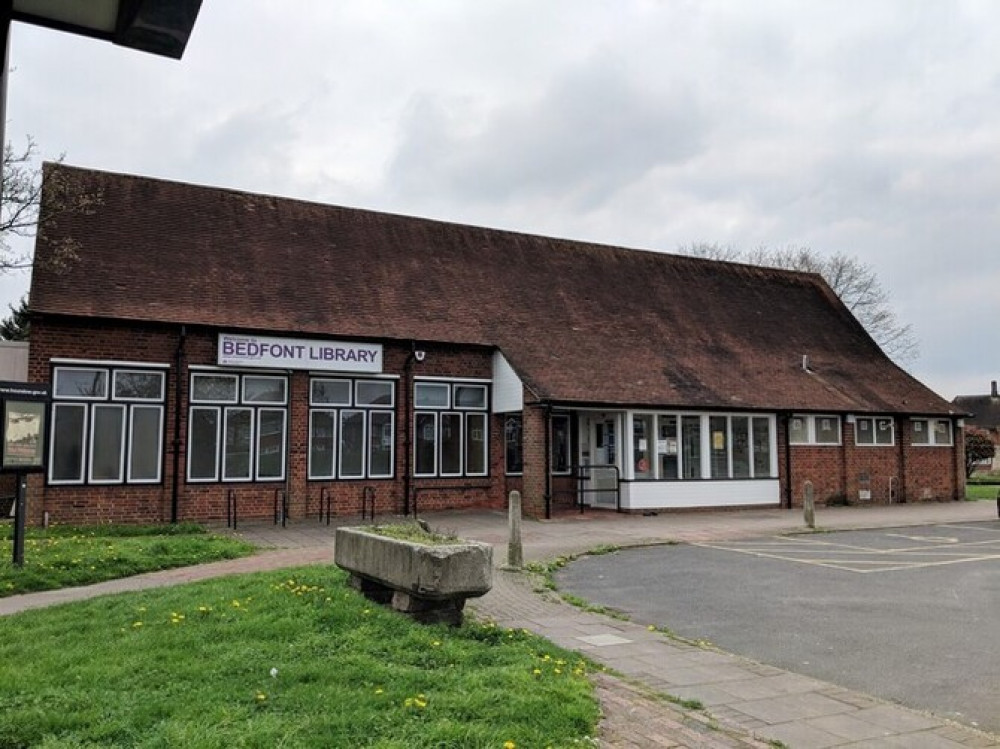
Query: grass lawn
(65, 556)
(981, 491)
(283, 659)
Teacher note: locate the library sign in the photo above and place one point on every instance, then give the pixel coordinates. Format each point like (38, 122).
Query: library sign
(298, 353)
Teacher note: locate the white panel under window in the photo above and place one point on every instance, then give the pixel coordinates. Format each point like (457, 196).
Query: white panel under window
(68, 440)
(80, 383)
(322, 444)
(271, 444)
(137, 385)
(204, 424)
(214, 388)
(107, 444)
(145, 443)
(237, 445)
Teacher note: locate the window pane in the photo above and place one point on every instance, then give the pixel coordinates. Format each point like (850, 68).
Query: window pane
(138, 385)
(761, 447)
(942, 432)
(68, 421)
(560, 444)
(106, 443)
(237, 445)
(81, 383)
(470, 396)
(374, 393)
(921, 432)
(667, 447)
(203, 448)
(475, 444)
(144, 443)
(883, 431)
(513, 459)
(451, 444)
(691, 446)
(720, 447)
(864, 432)
(827, 429)
(218, 388)
(380, 444)
(741, 446)
(322, 438)
(431, 395)
(642, 447)
(334, 392)
(264, 389)
(425, 445)
(271, 443)
(352, 444)
(798, 430)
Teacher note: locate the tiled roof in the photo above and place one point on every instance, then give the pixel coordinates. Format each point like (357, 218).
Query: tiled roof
(985, 410)
(579, 322)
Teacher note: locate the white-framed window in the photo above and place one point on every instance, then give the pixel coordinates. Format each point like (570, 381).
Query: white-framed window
(352, 428)
(450, 429)
(107, 425)
(687, 446)
(810, 429)
(237, 427)
(932, 432)
(878, 431)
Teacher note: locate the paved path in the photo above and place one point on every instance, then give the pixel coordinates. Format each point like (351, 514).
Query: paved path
(747, 703)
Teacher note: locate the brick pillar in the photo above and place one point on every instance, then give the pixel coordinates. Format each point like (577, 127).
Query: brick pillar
(533, 437)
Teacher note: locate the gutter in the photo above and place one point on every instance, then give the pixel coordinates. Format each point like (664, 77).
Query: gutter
(178, 386)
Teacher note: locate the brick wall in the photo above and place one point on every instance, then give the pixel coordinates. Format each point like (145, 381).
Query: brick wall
(158, 344)
(902, 472)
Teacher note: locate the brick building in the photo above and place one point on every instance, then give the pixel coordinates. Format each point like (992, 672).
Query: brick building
(984, 414)
(207, 346)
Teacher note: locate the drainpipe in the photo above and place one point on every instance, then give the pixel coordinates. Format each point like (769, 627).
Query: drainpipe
(548, 461)
(408, 430)
(178, 386)
(787, 418)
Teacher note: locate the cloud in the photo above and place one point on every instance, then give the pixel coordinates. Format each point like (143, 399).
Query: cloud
(590, 134)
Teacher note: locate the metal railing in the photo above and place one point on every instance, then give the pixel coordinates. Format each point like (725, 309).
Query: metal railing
(585, 473)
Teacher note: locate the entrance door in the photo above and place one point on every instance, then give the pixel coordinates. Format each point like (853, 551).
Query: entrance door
(599, 459)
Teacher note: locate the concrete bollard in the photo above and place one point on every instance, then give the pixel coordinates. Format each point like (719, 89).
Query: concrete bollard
(809, 505)
(515, 552)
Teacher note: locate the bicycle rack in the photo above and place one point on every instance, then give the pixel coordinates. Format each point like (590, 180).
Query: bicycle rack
(368, 501)
(324, 504)
(283, 495)
(231, 509)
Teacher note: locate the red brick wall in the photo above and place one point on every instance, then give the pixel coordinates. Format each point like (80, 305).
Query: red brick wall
(101, 341)
(917, 473)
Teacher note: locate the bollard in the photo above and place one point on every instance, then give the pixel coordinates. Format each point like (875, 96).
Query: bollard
(998, 503)
(809, 505)
(515, 552)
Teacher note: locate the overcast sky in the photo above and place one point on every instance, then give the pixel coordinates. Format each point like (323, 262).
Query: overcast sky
(870, 128)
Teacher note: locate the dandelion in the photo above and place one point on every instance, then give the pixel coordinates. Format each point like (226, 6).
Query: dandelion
(558, 670)
(379, 690)
(651, 628)
(236, 604)
(436, 643)
(136, 625)
(261, 696)
(509, 745)
(537, 672)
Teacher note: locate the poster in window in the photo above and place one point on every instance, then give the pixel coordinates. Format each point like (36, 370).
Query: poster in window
(718, 440)
(23, 434)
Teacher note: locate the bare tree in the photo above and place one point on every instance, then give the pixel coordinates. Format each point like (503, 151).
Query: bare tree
(21, 200)
(855, 282)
